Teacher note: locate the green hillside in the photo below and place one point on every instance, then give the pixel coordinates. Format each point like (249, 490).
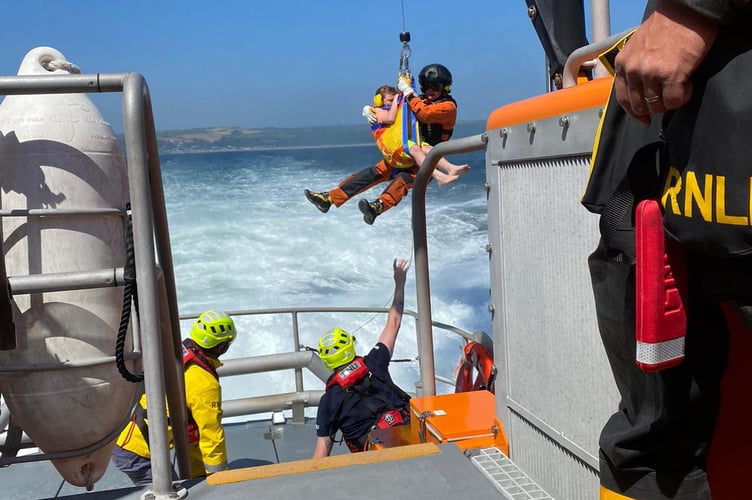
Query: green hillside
(234, 138)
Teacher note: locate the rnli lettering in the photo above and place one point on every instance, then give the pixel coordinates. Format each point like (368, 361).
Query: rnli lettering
(706, 197)
(349, 369)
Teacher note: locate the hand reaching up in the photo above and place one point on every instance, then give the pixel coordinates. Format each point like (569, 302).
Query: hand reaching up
(400, 272)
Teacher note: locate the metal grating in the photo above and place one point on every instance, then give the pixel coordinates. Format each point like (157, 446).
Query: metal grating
(507, 477)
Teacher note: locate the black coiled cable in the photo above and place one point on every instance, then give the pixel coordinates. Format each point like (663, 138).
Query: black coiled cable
(130, 294)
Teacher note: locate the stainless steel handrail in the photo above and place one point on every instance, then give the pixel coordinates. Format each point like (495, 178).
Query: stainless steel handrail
(420, 243)
(581, 56)
(156, 293)
(298, 360)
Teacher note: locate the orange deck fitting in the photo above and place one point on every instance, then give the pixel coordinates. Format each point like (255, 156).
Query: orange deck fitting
(583, 96)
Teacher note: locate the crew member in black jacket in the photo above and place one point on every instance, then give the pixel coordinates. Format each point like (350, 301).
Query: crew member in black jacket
(677, 129)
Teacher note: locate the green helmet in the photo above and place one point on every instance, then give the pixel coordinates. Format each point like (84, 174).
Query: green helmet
(336, 348)
(212, 328)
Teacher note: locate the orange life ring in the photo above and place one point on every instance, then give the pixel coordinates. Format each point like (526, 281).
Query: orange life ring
(476, 358)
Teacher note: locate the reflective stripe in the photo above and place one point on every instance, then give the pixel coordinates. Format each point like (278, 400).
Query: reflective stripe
(660, 354)
(215, 468)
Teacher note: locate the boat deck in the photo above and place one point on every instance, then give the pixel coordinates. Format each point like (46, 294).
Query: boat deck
(444, 472)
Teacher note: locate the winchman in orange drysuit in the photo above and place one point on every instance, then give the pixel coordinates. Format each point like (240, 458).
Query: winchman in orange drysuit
(436, 111)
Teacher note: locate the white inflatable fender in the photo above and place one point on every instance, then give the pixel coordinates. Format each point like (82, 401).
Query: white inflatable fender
(57, 151)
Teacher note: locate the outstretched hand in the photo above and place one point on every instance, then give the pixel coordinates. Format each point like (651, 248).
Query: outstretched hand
(653, 69)
(400, 272)
(394, 318)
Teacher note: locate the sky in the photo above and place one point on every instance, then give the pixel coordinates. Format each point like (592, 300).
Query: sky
(288, 63)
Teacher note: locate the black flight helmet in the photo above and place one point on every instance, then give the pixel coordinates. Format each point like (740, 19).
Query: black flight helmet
(435, 74)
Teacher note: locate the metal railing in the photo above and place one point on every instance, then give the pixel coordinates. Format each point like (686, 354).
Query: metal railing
(420, 244)
(298, 360)
(156, 283)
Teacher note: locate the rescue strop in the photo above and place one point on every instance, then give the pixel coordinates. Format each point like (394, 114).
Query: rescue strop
(394, 143)
(396, 140)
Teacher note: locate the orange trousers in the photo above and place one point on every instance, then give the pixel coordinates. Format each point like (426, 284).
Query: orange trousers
(400, 182)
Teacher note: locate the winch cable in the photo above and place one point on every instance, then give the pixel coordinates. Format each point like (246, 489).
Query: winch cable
(404, 72)
(405, 52)
(410, 125)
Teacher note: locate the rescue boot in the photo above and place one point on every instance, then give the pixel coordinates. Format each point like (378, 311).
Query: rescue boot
(321, 200)
(370, 209)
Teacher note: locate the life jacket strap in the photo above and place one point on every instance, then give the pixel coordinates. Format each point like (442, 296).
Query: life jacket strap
(193, 354)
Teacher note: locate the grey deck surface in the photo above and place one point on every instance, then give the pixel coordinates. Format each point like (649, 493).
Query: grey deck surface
(446, 475)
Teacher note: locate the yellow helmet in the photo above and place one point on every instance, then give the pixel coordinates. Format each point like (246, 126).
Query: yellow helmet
(336, 348)
(212, 328)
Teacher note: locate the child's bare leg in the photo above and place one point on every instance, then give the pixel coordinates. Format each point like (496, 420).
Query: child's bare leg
(451, 168)
(442, 179)
(442, 164)
(418, 154)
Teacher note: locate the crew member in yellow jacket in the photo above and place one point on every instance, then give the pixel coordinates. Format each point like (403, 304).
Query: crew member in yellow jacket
(211, 336)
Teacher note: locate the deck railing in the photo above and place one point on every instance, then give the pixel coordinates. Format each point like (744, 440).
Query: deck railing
(298, 360)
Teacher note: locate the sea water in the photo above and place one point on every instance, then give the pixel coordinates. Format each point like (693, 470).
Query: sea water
(244, 236)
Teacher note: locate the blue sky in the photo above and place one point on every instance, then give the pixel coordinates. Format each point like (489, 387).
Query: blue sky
(287, 63)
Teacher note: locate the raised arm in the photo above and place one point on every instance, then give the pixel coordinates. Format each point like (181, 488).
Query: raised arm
(388, 336)
(323, 447)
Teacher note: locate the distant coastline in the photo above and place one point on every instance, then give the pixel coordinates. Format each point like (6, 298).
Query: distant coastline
(228, 139)
(267, 148)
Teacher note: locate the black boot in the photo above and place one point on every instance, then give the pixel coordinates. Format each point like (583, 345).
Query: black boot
(370, 209)
(321, 200)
